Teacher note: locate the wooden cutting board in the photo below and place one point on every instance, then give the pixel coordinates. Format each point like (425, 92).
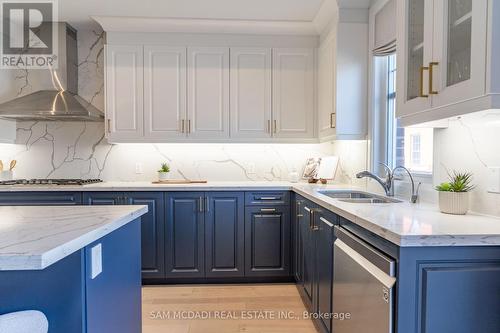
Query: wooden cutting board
(179, 181)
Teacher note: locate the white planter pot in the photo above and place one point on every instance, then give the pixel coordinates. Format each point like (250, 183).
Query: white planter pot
(6, 175)
(456, 203)
(163, 176)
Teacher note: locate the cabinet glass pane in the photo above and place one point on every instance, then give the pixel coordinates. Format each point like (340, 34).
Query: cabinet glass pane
(459, 41)
(415, 46)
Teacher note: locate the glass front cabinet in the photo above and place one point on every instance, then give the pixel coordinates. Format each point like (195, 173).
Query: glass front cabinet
(446, 52)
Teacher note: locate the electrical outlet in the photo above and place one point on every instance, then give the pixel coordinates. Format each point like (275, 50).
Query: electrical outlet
(251, 167)
(138, 168)
(96, 261)
(494, 180)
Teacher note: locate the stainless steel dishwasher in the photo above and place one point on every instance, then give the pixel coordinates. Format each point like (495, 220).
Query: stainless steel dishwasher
(363, 284)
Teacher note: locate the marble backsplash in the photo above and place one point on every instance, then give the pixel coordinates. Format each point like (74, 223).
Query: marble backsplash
(468, 145)
(79, 150)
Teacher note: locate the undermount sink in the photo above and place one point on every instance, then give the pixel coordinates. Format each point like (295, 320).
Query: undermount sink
(358, 197)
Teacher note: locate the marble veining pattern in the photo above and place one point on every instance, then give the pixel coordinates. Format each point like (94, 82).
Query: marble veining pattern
(33, 238)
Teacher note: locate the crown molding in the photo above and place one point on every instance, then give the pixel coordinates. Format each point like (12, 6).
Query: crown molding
(182, 25)
(322, 20)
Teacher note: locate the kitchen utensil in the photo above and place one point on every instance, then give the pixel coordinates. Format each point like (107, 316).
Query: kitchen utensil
(13, 164)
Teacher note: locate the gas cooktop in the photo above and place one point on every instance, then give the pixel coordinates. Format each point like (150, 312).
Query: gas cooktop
(50, 182)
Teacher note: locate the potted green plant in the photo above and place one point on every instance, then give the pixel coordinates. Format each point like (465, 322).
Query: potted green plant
(163, 173)
(454, 194)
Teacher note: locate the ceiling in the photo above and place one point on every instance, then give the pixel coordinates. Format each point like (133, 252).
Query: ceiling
(77, 12)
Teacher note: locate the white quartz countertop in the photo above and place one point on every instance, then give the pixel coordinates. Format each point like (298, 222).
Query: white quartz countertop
(403, 224)
(149, 186)
(412, 225)
(33, 238)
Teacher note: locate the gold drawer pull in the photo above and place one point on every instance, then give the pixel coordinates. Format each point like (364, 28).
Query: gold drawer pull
(422, 69)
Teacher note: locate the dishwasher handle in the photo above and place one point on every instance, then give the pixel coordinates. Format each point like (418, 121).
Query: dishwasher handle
(374, 256)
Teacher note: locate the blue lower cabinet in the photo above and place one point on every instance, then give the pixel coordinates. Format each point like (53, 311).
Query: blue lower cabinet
(40, 198)
(152, 225)
(297, 246)
(308, 243)
(224, 234)
(185, 241)
(267, 241)
(324, 232)
(113, 297)
(152, 233)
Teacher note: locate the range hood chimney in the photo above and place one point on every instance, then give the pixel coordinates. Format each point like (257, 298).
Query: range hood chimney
(58, 99)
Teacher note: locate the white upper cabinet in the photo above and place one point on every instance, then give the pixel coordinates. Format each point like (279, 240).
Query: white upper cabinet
(414, 55)
(293, 93)
(446, 50)
(343, 82)
(164, 92)
(251, 93)
(326, 88)
(459, 28)
(208, 93)
(124, 93)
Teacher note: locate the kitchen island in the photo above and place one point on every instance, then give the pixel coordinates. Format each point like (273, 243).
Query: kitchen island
(80, 266)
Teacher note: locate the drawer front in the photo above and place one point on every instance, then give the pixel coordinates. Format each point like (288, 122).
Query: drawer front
(40, 198)
(267, 198)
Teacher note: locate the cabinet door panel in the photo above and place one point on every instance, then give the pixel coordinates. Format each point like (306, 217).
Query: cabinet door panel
(152, 232)
(184, 235)
(414, 54)
(124, 92)
(324, 256)
(251, 92)
(298, 247)
(208, 91)
(224, 234)
(327, 88)
(308, 248)
(293, 93)
(164, 91)
(460, 28)
(267, 236)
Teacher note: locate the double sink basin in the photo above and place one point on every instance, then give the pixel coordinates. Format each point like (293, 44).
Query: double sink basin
(358, 197)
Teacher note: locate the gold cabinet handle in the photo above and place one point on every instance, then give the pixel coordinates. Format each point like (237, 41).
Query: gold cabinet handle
(431, 78)
(333, 120)
(189, 126)
(182, 126)
(422, 69)
(109, 125)
(275, 126)
(269, 126)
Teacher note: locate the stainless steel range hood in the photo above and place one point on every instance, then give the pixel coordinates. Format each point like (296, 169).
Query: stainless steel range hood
(56, 97)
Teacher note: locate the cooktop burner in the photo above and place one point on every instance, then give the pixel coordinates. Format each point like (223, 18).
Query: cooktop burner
(50, 181)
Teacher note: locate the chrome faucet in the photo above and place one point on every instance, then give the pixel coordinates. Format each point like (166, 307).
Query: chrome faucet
(388, 183)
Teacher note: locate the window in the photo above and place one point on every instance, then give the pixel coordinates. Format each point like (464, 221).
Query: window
(415, 149)
(411, 147)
